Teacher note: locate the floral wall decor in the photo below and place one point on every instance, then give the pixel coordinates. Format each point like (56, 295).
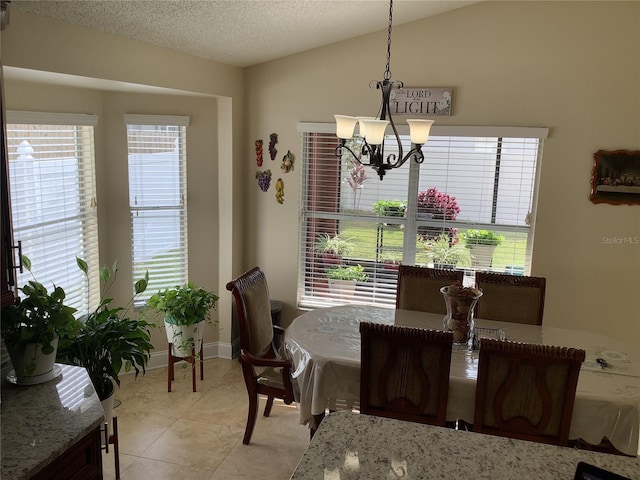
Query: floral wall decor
(273, 139)
(280, 191)
(264, 179)
(287, 162)
(258, 145)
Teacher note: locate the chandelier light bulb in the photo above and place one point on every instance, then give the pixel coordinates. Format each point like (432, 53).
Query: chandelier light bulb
(419, 130)
(345, 125)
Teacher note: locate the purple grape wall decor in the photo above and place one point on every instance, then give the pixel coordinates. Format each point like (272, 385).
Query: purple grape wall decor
(264, 179)
(273, 139)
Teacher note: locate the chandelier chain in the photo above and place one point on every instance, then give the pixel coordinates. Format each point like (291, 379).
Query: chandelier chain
(387, 73)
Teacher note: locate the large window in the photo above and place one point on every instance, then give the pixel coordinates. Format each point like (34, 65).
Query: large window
(158, 199)
(474, 182)
(53, 203)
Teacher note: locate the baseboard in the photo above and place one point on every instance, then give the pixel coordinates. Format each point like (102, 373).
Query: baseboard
(210, 350)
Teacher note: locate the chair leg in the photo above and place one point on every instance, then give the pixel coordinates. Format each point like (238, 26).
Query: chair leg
(169, 369)
(116, 447)
(201, 364)
(193, 366)
(267, 407)
(252, 415)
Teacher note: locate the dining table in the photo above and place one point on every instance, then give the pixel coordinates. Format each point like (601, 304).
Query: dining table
(324, 348)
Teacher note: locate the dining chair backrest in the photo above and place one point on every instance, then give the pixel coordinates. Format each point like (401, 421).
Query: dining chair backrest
(419, 287)
(251, 293)
(510, 298)
(526, 391)
(405, 372)
(264, 371)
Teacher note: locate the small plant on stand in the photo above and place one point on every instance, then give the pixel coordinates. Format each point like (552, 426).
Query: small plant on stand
(186, 308)
(443, 254)
(332, 248)
(482, 244)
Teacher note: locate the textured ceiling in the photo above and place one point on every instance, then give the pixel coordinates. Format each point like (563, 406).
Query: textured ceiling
(237, 32)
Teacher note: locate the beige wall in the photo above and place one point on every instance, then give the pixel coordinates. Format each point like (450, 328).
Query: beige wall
(210, 93)
(573, 67)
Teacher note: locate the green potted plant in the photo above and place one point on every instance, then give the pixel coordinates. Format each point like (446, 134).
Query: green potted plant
(332, 248)
(33, 327)
(109, 339)
(443, 254)
(390, 208)
(343, 279)
(186, 308)
(482, 244)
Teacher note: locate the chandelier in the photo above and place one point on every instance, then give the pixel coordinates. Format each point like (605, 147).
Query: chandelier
(372, 130)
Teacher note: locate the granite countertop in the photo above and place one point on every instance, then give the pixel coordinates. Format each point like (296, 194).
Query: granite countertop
(40, 422)
(352, 446)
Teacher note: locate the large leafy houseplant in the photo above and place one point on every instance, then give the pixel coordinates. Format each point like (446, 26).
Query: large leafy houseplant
(109, 339)
(37, 317)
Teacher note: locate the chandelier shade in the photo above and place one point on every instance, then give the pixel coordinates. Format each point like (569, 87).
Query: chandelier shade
(372, 129)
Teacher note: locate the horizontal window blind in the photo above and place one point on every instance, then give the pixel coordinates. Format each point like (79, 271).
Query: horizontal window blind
(157, 199)
(419, 214)
(53, 202)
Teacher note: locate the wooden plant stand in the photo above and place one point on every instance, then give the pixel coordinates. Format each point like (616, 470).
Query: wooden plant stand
(192, 359)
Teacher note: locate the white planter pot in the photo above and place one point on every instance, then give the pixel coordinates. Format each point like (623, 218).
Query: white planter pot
(32, 364)
(342, 288)
(481, 255)
(182, 337)
(107, 406)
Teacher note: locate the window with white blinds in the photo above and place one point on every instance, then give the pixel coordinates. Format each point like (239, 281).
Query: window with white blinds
(53, 201)
(473, 178)
(158, 199)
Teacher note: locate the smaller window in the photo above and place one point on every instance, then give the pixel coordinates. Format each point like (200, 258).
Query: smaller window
(158, 199)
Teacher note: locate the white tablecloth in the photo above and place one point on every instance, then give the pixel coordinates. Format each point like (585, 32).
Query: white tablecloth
(324, 346)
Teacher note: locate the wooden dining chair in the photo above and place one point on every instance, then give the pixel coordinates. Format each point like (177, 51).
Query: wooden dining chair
(404, 372)
(510, 298)
(419, 287)
(526, 391)
(264, 372)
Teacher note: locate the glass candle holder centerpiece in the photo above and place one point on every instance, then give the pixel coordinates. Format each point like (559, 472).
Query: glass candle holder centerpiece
(460, 302)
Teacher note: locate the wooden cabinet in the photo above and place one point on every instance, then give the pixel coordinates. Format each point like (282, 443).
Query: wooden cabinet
(83, 461)
(8, 273)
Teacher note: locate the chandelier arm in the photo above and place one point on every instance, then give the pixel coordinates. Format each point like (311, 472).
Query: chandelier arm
(365, 149)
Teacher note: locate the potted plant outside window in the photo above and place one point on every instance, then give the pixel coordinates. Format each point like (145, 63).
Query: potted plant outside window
(443, 254)
(186, 309)
(343, 279)
(332, 248)
(33, 327)
(481, 244)
(390, 208)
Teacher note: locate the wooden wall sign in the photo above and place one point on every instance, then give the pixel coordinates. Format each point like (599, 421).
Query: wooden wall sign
(421, 101)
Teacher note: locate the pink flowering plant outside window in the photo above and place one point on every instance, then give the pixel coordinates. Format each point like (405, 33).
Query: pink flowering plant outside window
(355, 180)
(434, 204)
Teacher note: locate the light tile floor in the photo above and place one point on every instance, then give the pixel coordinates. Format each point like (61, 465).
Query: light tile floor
(187, 435)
